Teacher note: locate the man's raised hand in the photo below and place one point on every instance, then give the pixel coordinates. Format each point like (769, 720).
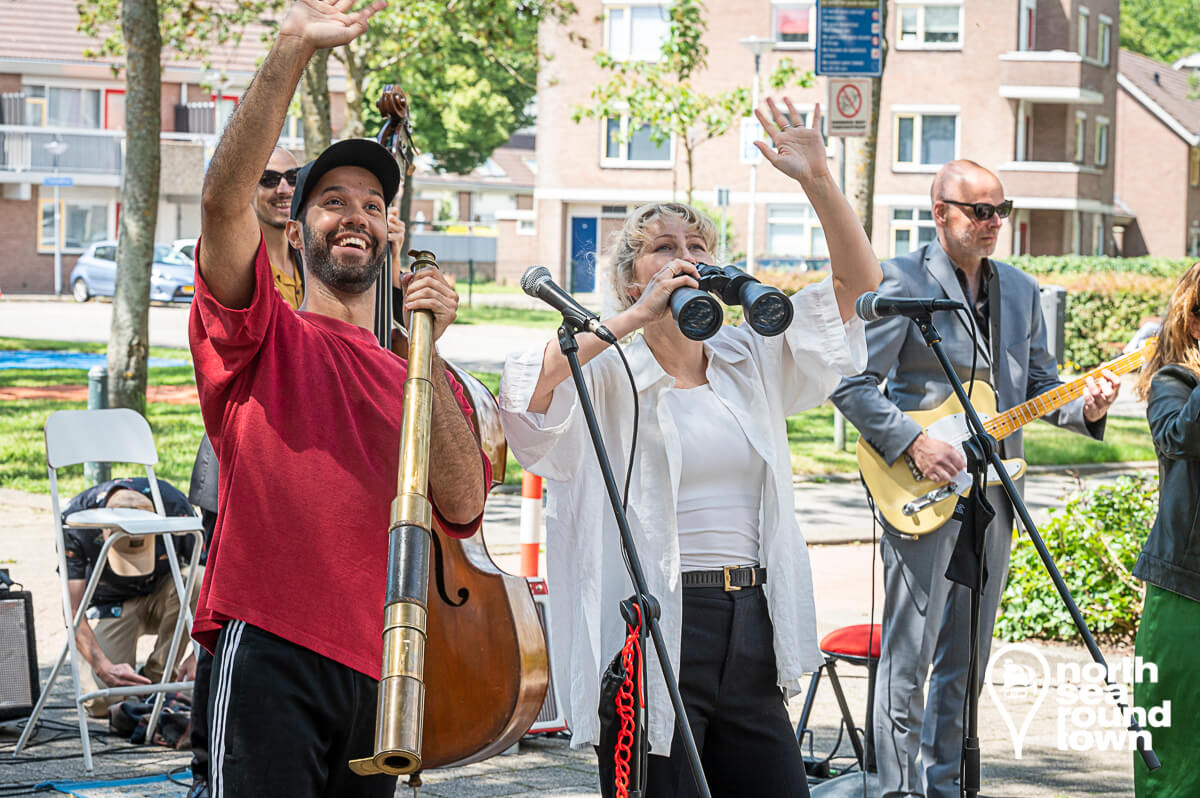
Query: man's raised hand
(321, 24)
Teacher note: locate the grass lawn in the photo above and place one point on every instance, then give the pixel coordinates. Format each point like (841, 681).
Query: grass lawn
(810, 435)
(178, 428)
(517, 317)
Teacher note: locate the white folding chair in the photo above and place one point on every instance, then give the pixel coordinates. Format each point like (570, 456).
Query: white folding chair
(111, 436)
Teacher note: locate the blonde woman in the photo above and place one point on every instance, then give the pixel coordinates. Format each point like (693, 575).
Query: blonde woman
(1170, 561)
(711, 492)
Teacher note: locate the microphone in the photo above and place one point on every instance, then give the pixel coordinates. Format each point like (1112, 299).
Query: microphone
(537, 283)
(872, 307)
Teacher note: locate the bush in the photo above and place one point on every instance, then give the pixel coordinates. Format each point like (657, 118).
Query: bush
(1093, 264)
(1094, 541)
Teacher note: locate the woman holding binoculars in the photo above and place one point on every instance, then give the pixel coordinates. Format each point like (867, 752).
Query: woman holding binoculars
(711, 500)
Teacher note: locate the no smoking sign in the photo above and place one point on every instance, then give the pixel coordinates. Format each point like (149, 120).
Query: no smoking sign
(849, 106)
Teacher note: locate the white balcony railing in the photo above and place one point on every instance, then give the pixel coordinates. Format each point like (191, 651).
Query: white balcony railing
(95, 152)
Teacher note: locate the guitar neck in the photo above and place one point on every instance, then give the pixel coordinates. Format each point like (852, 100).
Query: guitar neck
(1011, 420)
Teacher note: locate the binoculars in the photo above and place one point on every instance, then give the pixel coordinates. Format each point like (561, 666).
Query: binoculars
(699, 315)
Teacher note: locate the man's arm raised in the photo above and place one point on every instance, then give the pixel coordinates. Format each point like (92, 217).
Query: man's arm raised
(229, 227)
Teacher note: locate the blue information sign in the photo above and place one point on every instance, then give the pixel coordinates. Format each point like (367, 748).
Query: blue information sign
(848, 37)
(58, 180)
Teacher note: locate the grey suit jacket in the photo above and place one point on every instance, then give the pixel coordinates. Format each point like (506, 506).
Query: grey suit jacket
(1018, 364)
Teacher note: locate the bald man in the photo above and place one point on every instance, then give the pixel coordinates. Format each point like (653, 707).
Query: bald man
(926, 618)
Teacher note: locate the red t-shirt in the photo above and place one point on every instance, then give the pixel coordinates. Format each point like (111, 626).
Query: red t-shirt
(304, 414)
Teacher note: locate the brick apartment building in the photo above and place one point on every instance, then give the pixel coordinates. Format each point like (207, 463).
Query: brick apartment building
(50, 94)
(1158, 157)
(1027, 88)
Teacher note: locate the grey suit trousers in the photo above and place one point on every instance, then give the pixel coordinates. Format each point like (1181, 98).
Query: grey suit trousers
(926, 621)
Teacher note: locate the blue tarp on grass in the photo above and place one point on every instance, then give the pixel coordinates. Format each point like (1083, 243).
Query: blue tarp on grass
(48, 359)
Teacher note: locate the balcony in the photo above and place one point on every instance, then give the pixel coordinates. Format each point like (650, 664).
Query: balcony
(1052, 185)
(1053, 76)
(91, 157)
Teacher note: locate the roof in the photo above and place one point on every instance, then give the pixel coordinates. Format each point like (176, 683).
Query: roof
(1162, 90)
(43, 32)
(508, 167)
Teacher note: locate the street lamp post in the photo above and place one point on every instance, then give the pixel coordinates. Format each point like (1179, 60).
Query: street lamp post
(57, 147)
(757, 47)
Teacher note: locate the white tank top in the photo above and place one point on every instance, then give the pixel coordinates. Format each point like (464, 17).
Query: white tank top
(720, 483)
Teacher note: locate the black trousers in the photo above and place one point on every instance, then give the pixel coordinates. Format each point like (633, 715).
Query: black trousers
(285, 721)
(199, 733)
(729, 683)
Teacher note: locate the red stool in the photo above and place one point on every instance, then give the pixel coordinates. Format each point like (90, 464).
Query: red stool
(849, 644)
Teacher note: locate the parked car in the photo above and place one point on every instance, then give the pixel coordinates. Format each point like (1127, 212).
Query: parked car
(172, 276)
(185, 248)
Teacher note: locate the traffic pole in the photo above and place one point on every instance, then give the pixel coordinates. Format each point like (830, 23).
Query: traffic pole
(531, 522)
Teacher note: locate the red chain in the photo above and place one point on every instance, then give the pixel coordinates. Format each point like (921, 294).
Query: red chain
(625, 703)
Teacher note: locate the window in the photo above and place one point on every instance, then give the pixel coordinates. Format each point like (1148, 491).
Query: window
(926, 139)
(1080, 135)
(636, 32)
(911, 230)
(1104, 40)
(1027, 25)
(623, 147)
(82, 223)
(793, 24)
(57, 106)
(1098, 235)
(930, 26)
(1082, 31)
(794, 231)
(1101, 141)
(1194, 167)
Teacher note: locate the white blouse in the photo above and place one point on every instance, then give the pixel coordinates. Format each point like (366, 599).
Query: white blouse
(762, 381)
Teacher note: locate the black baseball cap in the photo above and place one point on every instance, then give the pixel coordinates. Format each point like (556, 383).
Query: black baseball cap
(364, 153)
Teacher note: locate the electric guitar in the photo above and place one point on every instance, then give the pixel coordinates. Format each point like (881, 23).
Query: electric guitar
(913, 504)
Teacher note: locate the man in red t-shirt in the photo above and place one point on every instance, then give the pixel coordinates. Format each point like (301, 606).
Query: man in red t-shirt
(303, 409)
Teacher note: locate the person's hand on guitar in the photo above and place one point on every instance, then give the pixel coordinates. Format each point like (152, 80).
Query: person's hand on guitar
(1099, 394)
(937, 460)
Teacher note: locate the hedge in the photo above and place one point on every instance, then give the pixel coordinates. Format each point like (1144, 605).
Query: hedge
(1108, 299)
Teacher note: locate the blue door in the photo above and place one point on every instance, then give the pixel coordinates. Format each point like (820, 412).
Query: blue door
(583, 254)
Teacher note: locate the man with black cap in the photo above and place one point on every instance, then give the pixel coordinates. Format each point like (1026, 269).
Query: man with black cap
(304, 412)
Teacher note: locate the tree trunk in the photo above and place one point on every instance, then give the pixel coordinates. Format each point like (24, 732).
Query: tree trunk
(861, 153)
(314, 105)
(688, 152)
(356, 74)
(128, 342)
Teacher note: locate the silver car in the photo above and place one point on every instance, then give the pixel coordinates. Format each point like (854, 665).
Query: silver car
(172, 276)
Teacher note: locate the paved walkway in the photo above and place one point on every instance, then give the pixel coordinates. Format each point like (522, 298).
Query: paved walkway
(848, 590)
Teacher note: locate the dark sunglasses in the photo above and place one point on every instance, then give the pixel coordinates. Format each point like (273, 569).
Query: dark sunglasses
(984, 210)
(270, 178)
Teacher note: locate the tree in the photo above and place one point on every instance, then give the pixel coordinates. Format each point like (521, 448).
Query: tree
(660, 94)
(1165, 30)
(469, 69)
(141, 30)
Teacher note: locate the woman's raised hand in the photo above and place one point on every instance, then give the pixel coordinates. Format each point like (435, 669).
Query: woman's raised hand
(799, 152)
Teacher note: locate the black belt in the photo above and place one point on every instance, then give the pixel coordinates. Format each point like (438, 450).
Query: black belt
(730, 577)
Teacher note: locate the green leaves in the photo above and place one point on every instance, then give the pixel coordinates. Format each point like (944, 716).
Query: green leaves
(1095, 541)
(1162, 29)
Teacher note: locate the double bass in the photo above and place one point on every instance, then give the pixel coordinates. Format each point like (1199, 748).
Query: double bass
(465, 669)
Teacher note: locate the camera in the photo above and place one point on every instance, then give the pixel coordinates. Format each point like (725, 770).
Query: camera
(699, 315)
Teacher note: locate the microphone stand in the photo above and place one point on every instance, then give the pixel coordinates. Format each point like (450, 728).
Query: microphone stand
(641, 594)
(981, 452)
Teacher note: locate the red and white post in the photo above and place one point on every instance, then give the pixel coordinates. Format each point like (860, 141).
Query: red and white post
(531, 522)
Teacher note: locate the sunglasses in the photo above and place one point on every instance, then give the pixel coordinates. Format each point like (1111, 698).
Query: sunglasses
(984, 210)
(270, 178)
